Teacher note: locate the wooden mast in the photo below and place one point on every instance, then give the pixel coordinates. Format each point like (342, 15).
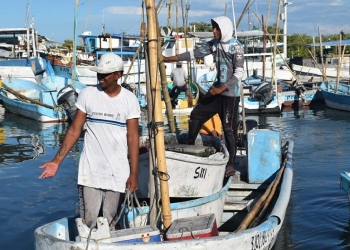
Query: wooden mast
(158, 118)
(75, 43)
(275, 44)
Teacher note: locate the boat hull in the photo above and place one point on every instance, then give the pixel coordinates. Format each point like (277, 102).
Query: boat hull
(200, 176)
(251, 105)
(62, 234)
(206, 81)
(213, 203)
(337, 100)
(183, 101)
(291, 99)
(345, 183)
(55, 235)
(31, 110)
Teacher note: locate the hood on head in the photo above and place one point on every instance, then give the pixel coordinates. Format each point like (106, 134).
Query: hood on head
(225, 26)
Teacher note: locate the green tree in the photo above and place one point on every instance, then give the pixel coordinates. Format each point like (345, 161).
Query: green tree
(68, 44)
(201, 26)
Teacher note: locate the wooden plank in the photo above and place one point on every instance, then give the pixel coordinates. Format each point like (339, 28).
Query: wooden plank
(245, 185)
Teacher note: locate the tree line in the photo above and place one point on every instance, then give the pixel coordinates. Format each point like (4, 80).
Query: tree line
(298, 45)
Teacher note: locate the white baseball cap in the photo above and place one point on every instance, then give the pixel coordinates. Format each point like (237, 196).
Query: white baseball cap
(109, 63)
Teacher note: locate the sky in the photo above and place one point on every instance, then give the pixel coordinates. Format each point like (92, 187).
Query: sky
(55, 19)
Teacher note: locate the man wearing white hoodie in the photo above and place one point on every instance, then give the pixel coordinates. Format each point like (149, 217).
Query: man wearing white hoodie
(223, 97)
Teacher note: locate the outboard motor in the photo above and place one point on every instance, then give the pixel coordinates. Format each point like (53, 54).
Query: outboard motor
(299, 89)
(66, 98)
(241, 137)
(263, 94)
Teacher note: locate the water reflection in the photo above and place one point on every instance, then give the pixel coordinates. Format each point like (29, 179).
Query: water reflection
(24, 139)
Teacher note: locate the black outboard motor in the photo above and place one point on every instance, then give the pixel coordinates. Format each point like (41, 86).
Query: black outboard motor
(241, 137)
(299, 89)
(66, 98)
(263, 94)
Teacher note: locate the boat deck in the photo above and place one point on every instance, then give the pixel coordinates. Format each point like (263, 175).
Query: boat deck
(241, 196)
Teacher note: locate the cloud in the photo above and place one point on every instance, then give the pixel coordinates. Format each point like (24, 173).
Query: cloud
(124, 10)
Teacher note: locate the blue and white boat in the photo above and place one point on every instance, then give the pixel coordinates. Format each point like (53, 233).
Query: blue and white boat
(205, 81)
(40, 102)
(336, 96)
(345, 183)
(31, 100)
(257, 97)
(260, 191)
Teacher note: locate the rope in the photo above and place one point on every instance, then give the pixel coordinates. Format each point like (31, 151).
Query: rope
(191, 231)
(128, 202)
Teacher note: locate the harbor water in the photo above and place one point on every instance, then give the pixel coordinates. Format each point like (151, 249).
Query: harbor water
(318, 211)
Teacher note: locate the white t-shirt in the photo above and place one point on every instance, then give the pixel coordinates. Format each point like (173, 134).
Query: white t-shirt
(179, 77)
(103, 161)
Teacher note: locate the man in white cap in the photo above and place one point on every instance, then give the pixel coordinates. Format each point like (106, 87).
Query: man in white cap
(179, 78)
(111, 114)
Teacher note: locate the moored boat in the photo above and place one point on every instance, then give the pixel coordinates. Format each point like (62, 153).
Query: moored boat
(258, 96)
(186, 100)
(260, 195)
(31, 100)
(200, 167)
(336, 95)
(345, 183)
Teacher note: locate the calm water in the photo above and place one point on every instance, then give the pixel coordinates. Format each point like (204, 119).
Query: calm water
(318, 212)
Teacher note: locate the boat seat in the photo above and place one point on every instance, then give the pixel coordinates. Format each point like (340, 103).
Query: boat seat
(198, 150)
(30, 93)
(247, 90)
(238, 205)
(50, 90)
(169, 138)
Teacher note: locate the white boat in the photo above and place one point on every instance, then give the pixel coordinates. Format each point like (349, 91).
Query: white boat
(263, 195)
(200, 167)
(261, 191)
(256, 106)
(261, 97)
(293, 94)
(25, 47)
(318, 75)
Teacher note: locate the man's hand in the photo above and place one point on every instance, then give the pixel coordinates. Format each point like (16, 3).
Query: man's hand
(132, 183)
(50, 169)
(217, 91)
(214, 133)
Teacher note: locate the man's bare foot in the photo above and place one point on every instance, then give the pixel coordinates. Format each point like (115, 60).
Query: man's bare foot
(230, 171)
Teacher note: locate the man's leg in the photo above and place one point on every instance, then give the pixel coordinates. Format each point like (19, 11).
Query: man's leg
(173, 94)
(90, 203)
(203, 111)
(110, 207)
(228, 116)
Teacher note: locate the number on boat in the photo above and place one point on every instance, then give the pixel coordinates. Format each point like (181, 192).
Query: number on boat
(200, 173)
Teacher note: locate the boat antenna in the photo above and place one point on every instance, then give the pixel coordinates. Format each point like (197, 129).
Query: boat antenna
(27, 15)
(234, 19)
(103, 23)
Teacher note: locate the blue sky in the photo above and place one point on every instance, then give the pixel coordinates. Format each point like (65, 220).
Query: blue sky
(55, 19)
